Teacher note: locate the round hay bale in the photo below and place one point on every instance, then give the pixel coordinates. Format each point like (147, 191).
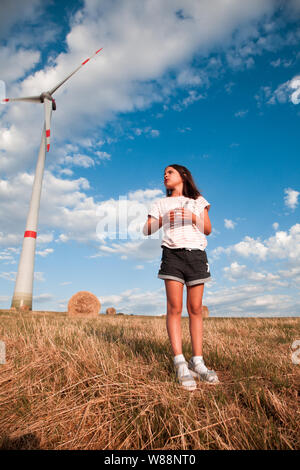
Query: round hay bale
(111, 311)
(205, 312)
(84, 303)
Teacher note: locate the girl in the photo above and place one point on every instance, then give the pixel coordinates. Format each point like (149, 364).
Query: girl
(184, 217)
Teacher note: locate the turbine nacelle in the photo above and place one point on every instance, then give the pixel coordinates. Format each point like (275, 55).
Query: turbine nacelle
(47, 95)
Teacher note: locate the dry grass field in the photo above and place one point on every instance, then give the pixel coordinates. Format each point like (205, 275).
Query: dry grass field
(108, 383)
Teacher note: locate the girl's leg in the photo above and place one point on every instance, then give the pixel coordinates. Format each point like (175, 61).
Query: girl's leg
(194, 308)
(174, 291)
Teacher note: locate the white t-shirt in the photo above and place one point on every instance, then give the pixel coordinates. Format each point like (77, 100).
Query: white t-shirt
(177, 235)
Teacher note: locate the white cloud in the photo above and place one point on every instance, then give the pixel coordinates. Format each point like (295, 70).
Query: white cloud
(147, 249)
(145, 131)
(291, 198)
(236, 272)
(79, 160)
(275, 225)
(63, 204)
(9, 239)
(251, 300)
(295, 84)
(8, 276)
(66, 171)
(279, 62)
(282, 94)
(154, 133)
(293, 8)
(15, 11)
(45, 252)
(11, 276)
(134, 301)
(188, 76)
(145, 196)
(191, 98)
(184, 130)
(229, 223)
(39, 277)
(241, 113)
(44, 238)
(103, 155)
(67, 210)
(276, 63)
(282, 245)
(69, 157)
(62, 238)
(214, 233)
(42, 298)
(7, 256)
(236, 61)
(228, 87)
(17, 62)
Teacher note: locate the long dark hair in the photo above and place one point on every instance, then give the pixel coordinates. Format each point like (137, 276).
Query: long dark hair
(189, 187)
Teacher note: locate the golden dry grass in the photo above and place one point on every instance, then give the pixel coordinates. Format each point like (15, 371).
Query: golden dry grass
(108, 383)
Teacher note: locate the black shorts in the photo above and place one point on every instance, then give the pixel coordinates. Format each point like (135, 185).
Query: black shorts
(184, 265)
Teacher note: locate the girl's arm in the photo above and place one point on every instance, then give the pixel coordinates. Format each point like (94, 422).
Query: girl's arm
(152, 225)
(207, 222)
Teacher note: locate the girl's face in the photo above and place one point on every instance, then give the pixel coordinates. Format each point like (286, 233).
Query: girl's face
(172, 178)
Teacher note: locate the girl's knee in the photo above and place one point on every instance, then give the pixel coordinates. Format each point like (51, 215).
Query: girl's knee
(195, 309)
(174, 310)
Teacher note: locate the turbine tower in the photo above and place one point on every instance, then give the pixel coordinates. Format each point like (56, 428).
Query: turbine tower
(22, 297)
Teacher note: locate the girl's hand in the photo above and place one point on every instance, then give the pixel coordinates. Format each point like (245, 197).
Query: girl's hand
(152, 225)
(179, 216)
(188, 217)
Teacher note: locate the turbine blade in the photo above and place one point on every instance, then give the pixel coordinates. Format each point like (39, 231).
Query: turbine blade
(48, 111)
(31, 99)
(74, 71)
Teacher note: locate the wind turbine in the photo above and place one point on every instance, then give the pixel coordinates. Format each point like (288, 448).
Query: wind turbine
(22, 297)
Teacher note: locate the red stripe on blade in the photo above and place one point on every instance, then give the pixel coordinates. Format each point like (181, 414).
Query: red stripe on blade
(85, 61)
(30, 234)
(47, 132)
(99, 50)
(48, 147)
(6, 99)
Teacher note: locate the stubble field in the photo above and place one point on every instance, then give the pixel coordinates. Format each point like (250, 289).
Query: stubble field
(108, 383)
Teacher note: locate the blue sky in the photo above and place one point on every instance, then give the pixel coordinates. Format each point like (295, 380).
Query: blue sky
(213, 87)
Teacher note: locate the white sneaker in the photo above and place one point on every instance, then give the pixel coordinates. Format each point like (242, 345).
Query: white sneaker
(200, 371)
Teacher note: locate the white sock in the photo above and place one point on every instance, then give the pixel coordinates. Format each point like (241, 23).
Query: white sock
(199, 362)
(197, 359)
(179, 358)
(183, 368)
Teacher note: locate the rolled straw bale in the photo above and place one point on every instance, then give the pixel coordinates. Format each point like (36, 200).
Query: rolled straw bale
(84, 303)
(111, 311)
(205, 312)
